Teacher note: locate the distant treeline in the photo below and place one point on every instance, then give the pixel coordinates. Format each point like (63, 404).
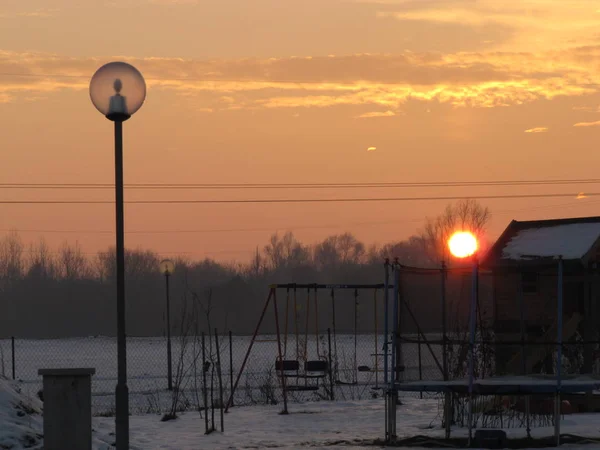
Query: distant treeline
(64, 293)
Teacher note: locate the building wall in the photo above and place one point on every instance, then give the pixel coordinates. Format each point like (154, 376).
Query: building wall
(539, 307)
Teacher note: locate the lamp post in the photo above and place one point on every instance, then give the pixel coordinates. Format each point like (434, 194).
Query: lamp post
(167, 267)
(118, 90)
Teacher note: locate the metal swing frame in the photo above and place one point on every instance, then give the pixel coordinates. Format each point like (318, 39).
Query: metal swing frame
(313, 369)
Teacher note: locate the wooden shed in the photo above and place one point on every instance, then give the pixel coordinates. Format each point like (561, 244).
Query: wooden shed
(524, 267)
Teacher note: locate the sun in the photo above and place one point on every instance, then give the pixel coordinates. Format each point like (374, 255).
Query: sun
(462, 244)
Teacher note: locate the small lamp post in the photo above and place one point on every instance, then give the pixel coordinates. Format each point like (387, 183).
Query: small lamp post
(118, 90)
(166, 268)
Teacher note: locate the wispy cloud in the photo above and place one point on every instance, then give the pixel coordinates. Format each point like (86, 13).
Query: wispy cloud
(487, 79)
(539, 24)
(371, 149)
(588, 124)
(372, 114)
(537, 130)
(41, 12)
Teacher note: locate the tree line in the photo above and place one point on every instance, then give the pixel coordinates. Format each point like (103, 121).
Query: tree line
(64, 293)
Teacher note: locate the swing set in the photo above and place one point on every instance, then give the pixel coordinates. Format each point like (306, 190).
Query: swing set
(302, 367)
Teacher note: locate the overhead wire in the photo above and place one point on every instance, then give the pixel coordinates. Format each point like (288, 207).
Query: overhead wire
(279, 227)
(294, 200)
(313, 185)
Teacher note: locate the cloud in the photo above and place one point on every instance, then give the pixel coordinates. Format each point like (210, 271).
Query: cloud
(587, 124)
(371, 149)
(465, 79)
(40, 13)
(537, 130)
(377, 114)
(581, 196)
(535, 24)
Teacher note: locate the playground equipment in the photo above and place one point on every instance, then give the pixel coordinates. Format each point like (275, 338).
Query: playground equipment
(301, 366)
(470, 391)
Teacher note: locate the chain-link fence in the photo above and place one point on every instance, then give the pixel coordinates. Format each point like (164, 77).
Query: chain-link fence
(516, 334)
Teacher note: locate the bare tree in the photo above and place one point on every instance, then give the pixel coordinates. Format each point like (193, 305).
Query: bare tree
(339, 249)
(41, 261)
(286, 251)
(11, 258)
(465, 215)
(73, 263)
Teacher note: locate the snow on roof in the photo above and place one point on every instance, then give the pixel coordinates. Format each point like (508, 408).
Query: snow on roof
(571, 241)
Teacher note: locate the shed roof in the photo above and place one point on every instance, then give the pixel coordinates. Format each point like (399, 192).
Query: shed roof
(545, 240)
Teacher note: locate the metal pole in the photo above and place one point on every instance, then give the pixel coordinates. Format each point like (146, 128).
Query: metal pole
(281, 372)
(472, 316)
(420, 362)
(239, 376)
(376, 340)
(122, 391)
(332, 395)
(355, 371)
(169, 361)
(394, 370)
(523, 356)
(447, 395)
(386, 308)
(333, 320)
(231, 364)
(219, 374)
(444, 330)
(204, 385)
(559, 336)
(12, 346)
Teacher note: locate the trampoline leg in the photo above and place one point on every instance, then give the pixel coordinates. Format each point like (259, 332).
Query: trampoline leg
(470, 419)
(447, 413)
(392, 403)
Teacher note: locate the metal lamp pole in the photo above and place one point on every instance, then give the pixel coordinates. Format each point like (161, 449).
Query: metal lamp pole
(118, 90)
(122, 391)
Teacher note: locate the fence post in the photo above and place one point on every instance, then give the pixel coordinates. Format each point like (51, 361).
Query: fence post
(220, 378)
(231, 365)
(12, 346)
(204, 386)
(420, 363)
(331, 395)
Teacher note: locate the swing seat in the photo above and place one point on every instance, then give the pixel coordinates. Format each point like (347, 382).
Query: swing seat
(316, 369)
(364, 369)
(287, 365)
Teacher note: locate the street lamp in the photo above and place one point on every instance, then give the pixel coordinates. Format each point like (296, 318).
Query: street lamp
(167, 267)
(118, 90)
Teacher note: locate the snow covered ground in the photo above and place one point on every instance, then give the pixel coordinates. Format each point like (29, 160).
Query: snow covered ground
(314, 425)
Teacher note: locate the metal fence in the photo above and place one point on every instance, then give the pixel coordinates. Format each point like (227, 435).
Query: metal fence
(516, 335)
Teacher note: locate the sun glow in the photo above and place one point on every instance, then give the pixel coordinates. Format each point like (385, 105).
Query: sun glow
(462, 244)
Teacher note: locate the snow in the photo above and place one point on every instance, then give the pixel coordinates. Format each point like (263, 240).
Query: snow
(341, 424)
(20, 418)
(571, 241)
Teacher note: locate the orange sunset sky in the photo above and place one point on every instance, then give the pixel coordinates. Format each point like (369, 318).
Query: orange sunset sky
(296, 91)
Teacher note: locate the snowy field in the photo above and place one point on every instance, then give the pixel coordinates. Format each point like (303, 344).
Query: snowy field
(349, 425)
(147, 366)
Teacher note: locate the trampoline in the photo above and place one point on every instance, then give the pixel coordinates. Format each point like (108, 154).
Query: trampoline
(517, 385)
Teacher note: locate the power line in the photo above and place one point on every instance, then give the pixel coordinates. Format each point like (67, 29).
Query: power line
(293, 200)
(300, 185)
(281, 227)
